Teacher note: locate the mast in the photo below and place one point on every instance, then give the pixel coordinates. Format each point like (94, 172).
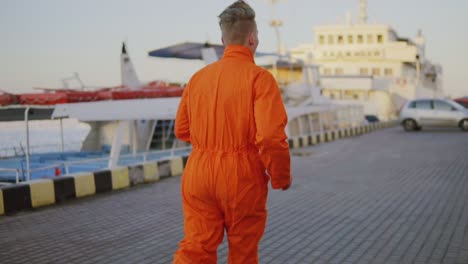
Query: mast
(363, 11)
(128, 73)
(276, 23)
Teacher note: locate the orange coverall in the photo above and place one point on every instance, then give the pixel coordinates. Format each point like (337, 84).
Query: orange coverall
(233, 115)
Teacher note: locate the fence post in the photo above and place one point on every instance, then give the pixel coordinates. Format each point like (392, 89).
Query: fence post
(67, 169)
(17, 176)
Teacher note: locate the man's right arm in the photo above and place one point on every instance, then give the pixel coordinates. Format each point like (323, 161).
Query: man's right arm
(182, 124)
(271, 139)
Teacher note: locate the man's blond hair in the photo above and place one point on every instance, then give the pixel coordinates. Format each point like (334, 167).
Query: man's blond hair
(237, 21)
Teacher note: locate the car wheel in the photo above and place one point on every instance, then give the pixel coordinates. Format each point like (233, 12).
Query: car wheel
(409, 125)
(419, 128)
(464, 124)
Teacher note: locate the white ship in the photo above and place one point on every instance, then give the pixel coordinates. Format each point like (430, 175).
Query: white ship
(135, 123)
(371, 65)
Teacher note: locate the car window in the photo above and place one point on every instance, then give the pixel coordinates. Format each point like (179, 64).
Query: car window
(442, 106)
(460, 104)
(424, 104)
(412, 104)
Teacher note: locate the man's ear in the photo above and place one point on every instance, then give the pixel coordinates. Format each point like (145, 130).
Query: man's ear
(251, 39)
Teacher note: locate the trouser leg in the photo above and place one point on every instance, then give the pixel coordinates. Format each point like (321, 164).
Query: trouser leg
(203, 232)
(247, 227)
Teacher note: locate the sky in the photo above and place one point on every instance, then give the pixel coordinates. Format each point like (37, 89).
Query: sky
(42, 42)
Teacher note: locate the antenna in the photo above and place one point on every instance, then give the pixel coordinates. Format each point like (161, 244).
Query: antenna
(74, 77)
(363, 11)
(276, 24)
(348, 18)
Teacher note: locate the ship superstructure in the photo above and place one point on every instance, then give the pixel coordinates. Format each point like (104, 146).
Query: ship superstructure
(370, 64)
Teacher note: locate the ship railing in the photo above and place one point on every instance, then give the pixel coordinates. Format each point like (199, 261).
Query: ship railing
(17, 173)
(143, 156)
(325, 118)
(72, 146)
(135, 158)
(170, 153)
(8, 152)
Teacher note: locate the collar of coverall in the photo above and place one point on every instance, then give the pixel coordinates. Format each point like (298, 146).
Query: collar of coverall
(239, 52)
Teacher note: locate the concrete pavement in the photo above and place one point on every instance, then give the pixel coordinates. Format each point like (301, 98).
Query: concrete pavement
(384, 197)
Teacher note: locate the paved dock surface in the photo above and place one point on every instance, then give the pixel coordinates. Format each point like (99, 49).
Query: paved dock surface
(384, 197)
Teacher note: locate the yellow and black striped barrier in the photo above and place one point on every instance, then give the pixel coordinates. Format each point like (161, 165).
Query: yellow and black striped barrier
(34, 194)
(328, 136)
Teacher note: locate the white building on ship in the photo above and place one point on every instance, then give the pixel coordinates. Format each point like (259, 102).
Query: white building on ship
(369, 64)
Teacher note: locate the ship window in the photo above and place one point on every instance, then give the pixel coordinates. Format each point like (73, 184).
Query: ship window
(163, 137)
(340, 39)
(322, 39)
(370, 39)
(376, 71)
(348, 53)
(360, 39)
(327, 71)
(364, 71)
(339, 71)
(377, 53)
(324, 54)
(350, 39)
(388, 72)
(331, 39)
(379, 38)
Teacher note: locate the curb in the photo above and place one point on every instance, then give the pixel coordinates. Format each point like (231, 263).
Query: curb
(332, 135)
(39, 193)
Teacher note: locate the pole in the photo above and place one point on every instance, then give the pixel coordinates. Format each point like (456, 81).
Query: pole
(117, 144)
(28, 165)
(163, 137)
(62, 144)
(133, 136)
(276, 23)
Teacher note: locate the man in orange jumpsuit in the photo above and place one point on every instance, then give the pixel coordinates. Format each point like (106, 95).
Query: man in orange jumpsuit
(232, 113)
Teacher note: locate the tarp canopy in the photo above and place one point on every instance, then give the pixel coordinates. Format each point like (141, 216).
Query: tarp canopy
(186, 50)
(192, 51)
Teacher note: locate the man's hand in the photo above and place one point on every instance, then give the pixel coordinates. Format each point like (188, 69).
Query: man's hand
(286, 187)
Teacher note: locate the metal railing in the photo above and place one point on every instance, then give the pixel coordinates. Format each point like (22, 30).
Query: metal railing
(7, 152)
(139, 157)
(325, 118)
(16, 171)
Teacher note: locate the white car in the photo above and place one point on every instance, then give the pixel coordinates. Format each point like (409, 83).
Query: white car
(420, 113)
